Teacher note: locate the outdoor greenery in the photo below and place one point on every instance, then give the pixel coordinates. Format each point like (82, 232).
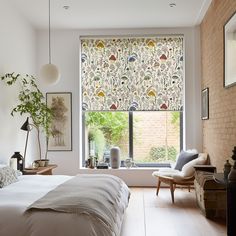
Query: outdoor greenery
(107, 129)
(158, 154)
(31, 100)
(114, 125)
(175, 118)
(97, 136)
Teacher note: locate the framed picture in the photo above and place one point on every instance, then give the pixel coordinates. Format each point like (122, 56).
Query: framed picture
(61, 138)
(230, 52)
(205, 104)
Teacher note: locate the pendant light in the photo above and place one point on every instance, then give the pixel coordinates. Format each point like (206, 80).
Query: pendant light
(49, 73)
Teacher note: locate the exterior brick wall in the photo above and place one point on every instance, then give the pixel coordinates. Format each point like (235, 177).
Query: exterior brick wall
(150, 131)
(219, 132)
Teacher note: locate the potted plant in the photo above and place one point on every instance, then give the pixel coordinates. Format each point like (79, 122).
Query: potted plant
(31, 102)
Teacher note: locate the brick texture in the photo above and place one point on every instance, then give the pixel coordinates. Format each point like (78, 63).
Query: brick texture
(154, 129)
(219, 132)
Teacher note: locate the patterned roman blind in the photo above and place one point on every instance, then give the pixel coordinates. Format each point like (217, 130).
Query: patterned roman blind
(144, 73)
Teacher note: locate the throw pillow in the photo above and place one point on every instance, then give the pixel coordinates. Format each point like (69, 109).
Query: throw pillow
(188, 169)
(7, 176)
(184, 157)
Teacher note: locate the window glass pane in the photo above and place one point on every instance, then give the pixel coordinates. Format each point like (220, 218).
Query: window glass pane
(156, 136)
(104, 130)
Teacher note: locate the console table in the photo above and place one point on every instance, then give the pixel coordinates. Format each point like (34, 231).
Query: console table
(231, 202)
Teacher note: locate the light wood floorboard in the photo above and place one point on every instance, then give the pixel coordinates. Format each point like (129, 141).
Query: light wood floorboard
(151, 215)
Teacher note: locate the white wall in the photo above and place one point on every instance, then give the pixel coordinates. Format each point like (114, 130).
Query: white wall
(65, 54)
(17, 53)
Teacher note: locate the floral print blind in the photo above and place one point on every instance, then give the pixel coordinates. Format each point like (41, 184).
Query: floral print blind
(144, 73)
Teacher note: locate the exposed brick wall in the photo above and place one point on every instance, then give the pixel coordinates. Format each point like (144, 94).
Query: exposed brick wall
(219, 132)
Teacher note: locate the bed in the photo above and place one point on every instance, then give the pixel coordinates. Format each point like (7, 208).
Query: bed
(23, 211)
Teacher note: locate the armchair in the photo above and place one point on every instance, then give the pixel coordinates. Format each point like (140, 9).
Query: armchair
(173, 177)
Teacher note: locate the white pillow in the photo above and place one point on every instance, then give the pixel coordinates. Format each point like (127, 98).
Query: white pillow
(7, 176)
(188, 169)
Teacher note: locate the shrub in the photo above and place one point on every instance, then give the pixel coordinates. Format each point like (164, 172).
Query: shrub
(158, 154)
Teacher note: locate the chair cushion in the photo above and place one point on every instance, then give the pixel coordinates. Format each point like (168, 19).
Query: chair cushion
(168, 173)
(188, 169)
(185, 157)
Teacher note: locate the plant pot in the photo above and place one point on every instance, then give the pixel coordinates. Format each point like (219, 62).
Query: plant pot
(46, 162)
(41, 162)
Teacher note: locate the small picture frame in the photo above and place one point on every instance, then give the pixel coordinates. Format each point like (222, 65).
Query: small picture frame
(205, 104)
(61, 128)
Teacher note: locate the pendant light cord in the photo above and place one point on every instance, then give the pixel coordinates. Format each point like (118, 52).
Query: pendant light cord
(49, 31)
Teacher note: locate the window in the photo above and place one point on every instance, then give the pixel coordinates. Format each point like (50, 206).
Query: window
(132, 93)
(149, 138)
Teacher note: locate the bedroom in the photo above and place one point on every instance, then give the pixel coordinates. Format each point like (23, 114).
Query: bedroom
(24, 49)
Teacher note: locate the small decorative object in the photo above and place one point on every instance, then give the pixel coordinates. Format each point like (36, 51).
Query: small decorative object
(102, 166)
(229, 52)
(128, 163)
(90, 163)
(227, 169)
(205, 104)
(16, 161)
(35, 165)
(61, 126)
(232, 174)
(115, 157)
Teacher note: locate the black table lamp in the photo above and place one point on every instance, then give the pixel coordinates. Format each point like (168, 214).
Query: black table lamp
(28, 127)
(25, 127)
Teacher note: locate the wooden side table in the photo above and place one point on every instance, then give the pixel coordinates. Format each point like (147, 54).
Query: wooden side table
(207, 168)
(47, 170)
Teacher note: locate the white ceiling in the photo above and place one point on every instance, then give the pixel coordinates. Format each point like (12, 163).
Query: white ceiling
(103, 14)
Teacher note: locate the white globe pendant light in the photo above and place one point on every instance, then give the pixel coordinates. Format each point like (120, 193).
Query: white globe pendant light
(49, 73)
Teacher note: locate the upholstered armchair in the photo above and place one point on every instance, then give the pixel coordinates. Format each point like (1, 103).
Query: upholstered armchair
(182, 174)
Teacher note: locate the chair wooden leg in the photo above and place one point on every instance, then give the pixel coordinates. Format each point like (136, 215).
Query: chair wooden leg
(158, 186)
(172, 192)
(174, 187)
(189, 188)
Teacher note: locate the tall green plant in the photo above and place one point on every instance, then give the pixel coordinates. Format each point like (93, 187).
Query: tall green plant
(31, 100)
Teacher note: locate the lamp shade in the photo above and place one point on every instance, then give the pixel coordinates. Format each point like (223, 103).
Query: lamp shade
(49, 74)
(25, 126)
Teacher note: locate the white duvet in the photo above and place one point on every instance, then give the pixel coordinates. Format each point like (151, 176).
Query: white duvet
(15, 198)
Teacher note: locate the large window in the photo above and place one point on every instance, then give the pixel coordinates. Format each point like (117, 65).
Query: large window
(132, 97)
(149, 138)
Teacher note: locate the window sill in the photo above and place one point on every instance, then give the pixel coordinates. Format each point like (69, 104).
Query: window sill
(136, 176)
(122, 169)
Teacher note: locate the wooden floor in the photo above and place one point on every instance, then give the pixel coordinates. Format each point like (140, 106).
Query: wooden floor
(149, 215)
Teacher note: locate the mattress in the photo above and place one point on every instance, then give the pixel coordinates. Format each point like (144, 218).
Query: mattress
(17, 197)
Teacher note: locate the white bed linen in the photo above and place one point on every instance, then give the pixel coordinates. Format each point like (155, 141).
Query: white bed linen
(15, 198)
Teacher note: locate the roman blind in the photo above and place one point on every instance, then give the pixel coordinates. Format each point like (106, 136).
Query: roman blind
(142, 73)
